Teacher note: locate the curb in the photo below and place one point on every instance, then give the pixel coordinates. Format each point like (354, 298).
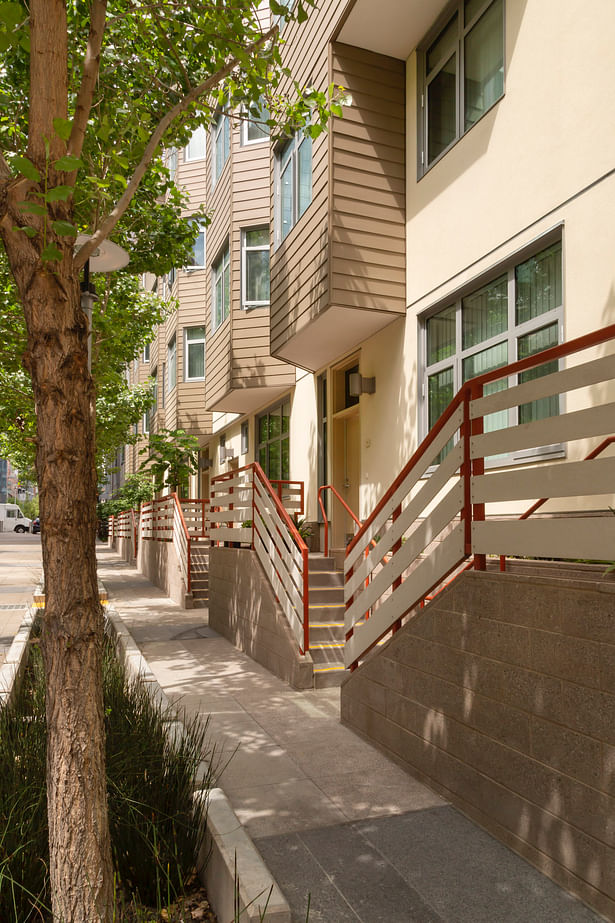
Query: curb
(11, 671)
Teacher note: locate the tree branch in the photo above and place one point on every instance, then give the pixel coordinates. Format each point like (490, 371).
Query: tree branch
(133, 184)
(173, 50)
(91, 66)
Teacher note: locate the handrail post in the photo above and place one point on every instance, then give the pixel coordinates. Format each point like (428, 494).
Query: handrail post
(306, 601)
(478, 469)
(253, 504)
(397, 582)
(466, 473)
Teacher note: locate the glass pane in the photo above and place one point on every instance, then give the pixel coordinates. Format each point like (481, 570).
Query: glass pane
(195, 333)
(263, 429)
(262, 458)
(259, 237)
(285, 444)
(539, 284)
(529, 345)
(274, 461)
(440, 389)
(285, 418)
(275, 420)
(484, 64)
(286, 204)
(471, 8)
(227, 288)
(257, 275)
(256, 131)
(219, 150)
(486, 360)
(305, 175)
(196, 146)
(442, 109)
(443, 45)
(484, 314)
(218, 295)
(198, 250)
(441, 335)
(196, 360)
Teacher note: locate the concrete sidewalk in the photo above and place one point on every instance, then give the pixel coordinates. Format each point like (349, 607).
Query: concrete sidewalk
(340, 826)
(20, 572)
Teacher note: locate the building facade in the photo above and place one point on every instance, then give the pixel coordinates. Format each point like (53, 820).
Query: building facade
(457, 217)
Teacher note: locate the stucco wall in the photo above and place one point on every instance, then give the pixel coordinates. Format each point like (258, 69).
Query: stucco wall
(243, 609)
(501, 695)
(158, 562)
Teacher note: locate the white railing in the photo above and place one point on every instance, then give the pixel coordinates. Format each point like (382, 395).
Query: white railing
(248, 509)
(181, 543)
(435, 514)
(196, 517)
(156, 522)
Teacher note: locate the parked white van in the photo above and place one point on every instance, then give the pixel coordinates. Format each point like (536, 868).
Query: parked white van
(12, 519)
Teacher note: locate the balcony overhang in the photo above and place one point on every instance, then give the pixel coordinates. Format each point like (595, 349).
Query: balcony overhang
(334, 333)
(389, 27)
(245, 400)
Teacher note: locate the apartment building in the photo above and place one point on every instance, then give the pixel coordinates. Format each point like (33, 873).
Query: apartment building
(457, 218)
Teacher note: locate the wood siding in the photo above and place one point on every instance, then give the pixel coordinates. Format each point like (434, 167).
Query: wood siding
(348, 249)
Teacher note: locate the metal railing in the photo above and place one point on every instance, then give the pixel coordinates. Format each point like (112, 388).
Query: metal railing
(321, 504)
(245, 499)
(196, 516)
(433, 516)
(181, 543)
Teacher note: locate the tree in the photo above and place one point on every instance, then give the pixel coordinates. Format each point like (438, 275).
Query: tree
(172, 455)
(106, 84)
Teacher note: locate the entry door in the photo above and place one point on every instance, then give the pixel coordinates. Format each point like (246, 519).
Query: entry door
(346, 475)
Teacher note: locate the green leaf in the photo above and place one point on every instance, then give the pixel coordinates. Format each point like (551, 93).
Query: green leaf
(120, 179)
(27, 168)
(59, 194)
(68, 163)
(24, 41)
(301, 13)
(5, 41)
(12, 14)
(64, 228)
(28, 231)
(51, 253)
(33, 207)
(62, 128)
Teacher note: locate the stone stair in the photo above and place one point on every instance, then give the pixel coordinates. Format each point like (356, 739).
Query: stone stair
(326, 621)
(199, 573)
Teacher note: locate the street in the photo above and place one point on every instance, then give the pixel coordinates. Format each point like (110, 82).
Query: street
(20, 572)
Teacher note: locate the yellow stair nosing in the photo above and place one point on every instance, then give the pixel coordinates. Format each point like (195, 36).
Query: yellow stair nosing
(329, 668)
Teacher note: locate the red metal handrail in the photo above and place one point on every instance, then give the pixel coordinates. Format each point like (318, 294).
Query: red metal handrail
(473, 388)
(324, 512)
(535, 506)
(178, 507)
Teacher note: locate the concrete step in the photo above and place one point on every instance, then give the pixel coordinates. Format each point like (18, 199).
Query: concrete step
(326, 633)
(318, 562)
(327, 676)
(326, 578)
(326, 613)
(326, 595)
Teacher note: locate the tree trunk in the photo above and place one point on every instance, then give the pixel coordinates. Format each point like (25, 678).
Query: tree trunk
(79, 843)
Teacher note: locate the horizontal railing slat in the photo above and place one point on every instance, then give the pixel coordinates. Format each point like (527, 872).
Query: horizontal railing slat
(280, 591)
(591, 537)
(569, 479)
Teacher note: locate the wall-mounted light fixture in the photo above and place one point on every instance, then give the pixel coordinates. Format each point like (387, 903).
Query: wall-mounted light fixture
(225, 453)
(357, 385)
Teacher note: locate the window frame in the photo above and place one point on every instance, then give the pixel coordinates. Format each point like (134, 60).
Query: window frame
(247, 121)
(259, 445)
(203, 136)
(222, 262)
(146, 353)
(288, 153)
(171, 364)
(423, 81)
(512, 335)
(221, 123)
(196, 342)
(245, 303)
(194, 267)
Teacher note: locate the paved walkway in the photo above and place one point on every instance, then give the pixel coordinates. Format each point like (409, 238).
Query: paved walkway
(20, 572)
(339, 825)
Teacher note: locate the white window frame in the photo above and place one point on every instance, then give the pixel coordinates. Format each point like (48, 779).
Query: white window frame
(194, 267)
(288, 154)
(171, 380)
(221, 124)
(172, 162)
(146, 353)
(198, 140)
(221, 264)
(247, 121)
(456, 8)
(511, 335)
(193, 342)
(245, 303)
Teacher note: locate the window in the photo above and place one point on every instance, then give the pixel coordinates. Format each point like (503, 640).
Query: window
(254, 127)
(171, 279)
(146, 350)
(146, 420)
(172, 162)
(163, 392)
(255, 267)
(462, 77)
(273, 449)
(515, 315)
(171, 365)
(195, 149)
(222, 145)
(221, 286)
(154, 381)
(198, 250)
(294, 186)
(194, 354)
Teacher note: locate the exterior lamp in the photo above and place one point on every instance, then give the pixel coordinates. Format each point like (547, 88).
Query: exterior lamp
(357, 385)
(107, 257)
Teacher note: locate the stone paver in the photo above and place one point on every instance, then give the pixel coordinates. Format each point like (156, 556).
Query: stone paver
(341, 826)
